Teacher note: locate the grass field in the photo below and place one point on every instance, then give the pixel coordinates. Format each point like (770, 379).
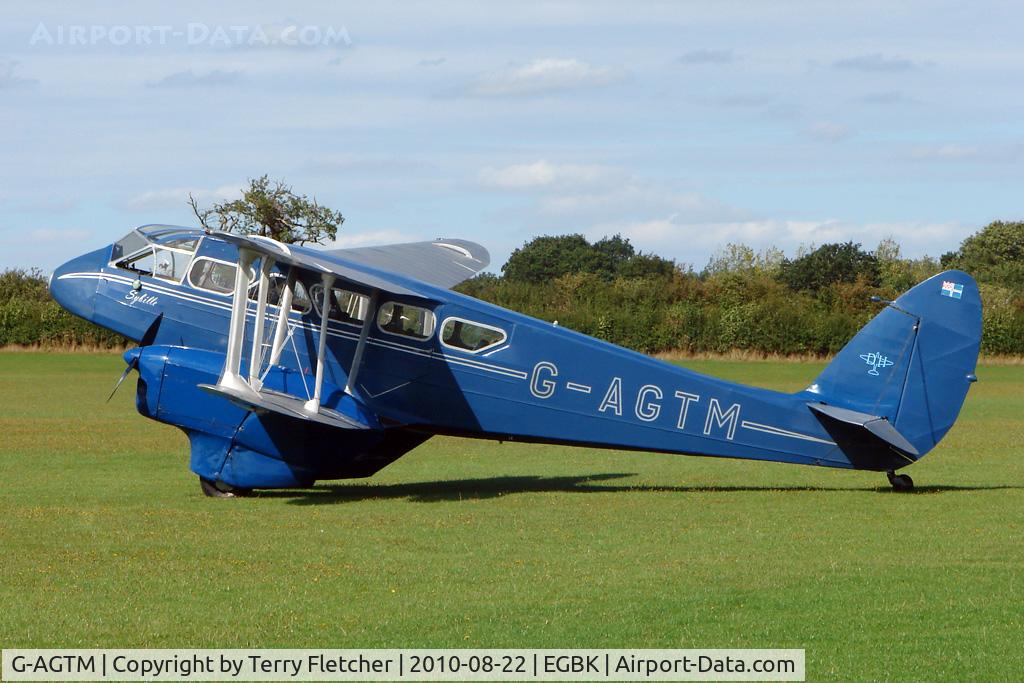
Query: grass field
(107, 542)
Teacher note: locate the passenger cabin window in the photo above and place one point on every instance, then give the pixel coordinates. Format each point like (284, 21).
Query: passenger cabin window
(405, 320)
(469, 336)
(346, 306)
(300, 298)
(213, 276)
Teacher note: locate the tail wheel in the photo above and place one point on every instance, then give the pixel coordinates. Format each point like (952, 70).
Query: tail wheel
(900, 482)
(218, 489)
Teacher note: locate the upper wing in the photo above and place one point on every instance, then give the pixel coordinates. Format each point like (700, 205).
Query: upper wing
(443, 262)
(396, 268)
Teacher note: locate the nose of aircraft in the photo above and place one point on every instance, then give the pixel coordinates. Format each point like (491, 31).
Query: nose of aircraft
(73, 285)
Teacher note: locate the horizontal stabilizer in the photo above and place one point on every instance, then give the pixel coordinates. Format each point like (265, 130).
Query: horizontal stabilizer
(284, 404)
(879, 426)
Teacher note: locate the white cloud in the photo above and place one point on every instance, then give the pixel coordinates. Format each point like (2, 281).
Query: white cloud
(707, 57)
(945, 152)
(884, 97)
(829, 131)
(875, 63)
(176, 197)
(9, 80)
(365, 163)
(744, 100)
(58, 234)
(545, 76)
(635, 200)
(695, 241)
(188, 79)
(968, 152)
(542, 174)
(573, 196)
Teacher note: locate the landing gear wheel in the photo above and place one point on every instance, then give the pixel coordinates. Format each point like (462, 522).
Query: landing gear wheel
(900, 482)
(213, 489)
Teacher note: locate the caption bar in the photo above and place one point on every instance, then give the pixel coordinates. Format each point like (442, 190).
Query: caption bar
(403, 665)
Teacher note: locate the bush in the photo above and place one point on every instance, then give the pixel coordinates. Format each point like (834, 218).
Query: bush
(29, 317)
(743, 300)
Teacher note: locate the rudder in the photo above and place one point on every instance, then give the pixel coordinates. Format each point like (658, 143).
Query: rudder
(911, 365)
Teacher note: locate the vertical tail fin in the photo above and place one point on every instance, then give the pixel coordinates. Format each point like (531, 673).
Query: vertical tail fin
(911, 366)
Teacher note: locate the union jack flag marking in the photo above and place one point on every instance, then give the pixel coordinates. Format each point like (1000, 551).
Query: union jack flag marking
(954, 290)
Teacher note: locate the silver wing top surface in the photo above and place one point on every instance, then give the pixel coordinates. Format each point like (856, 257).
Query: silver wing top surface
(396, 268)
(442, 263)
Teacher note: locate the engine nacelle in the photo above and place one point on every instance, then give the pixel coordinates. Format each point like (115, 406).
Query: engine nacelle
(246, 448)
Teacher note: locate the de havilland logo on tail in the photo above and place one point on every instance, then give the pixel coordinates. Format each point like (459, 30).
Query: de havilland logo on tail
(875, 360)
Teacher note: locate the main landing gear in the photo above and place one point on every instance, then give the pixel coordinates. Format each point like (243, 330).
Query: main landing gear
(900, 482)
(216, 489)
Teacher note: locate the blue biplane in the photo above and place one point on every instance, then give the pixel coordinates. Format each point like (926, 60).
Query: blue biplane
(287, 365)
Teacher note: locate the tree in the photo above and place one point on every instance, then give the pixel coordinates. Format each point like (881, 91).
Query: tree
(647, 265)
(993, 254)
(543, 259)
(830, 264)
(610, 254)
(739, 258)
(272, 209)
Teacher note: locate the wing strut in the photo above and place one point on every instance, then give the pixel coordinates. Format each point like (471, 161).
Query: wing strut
(247, 392)
(256, 358)
(357, 358)
(231, 376)
(285, 309)
(313, 404)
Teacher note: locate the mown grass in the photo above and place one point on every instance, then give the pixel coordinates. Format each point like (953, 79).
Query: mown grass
(107, 542)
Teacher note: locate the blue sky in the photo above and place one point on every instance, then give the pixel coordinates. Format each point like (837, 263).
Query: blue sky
(683, 126)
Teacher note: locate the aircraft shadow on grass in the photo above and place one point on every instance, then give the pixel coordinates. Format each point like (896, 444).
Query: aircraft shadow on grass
(478, 489)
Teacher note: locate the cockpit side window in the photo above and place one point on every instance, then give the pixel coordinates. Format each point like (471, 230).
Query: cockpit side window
(127, 245)
(164, 256)
(141, 263)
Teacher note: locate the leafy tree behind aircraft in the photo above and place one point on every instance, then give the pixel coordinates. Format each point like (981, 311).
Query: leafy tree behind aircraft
(830, 264)
(271, 209)
(993, 254)
(739, 258)
(546, 258)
